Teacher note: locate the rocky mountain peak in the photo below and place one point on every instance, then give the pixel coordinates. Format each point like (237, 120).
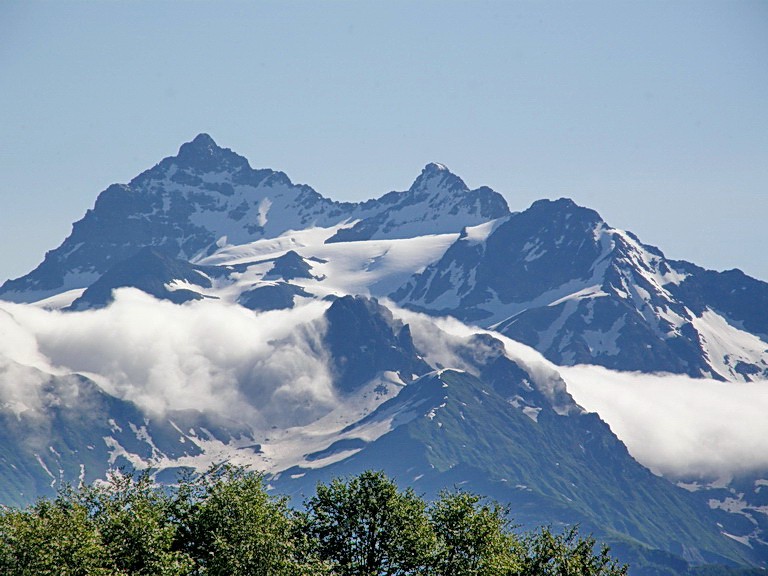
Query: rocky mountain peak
(204, 155)
(202, 141)
(364, 339)
(435, 168)
(563, 212)
(436, 175)
(290, 266)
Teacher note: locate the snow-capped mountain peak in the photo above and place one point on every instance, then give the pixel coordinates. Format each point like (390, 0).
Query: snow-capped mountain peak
(207, 197)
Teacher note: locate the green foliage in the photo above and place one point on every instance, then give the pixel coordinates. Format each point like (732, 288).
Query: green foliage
(235, 528)
(56, 538)
(133, 519)
(473, 537)
(224, 523)
(367, 527)
(567, 554)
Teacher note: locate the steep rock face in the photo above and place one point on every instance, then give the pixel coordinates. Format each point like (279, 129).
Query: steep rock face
(289, 267)
(363, 340)
(558, 278)
(436, 203)
(524, 256)
(741, 298)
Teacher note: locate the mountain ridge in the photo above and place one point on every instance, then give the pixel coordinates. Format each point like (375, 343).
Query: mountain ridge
(581, 291)
(206, 197)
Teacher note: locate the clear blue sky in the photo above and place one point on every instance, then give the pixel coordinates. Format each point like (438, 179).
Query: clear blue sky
(653, 113)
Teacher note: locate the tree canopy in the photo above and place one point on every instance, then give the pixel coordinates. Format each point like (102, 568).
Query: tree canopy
(225, 522)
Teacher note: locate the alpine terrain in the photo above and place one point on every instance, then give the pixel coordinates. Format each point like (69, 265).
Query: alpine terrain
(207, 311)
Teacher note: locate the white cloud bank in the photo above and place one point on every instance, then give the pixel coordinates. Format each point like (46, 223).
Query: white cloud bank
(208, 356)
(678, 426)
(269, 369)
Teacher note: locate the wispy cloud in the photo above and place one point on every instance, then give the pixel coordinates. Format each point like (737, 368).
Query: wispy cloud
(679, 426)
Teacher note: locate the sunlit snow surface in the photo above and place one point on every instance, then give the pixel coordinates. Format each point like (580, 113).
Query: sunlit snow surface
(371, 267)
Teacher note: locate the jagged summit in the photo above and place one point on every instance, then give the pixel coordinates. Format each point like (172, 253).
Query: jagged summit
(201, 141)
(437, 202)
(202, 146)
(207, 196)
(563, 207)
(204, 155)
(363, 339)
(436, 175)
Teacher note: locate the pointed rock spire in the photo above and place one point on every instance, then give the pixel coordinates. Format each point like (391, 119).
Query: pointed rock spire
(436, 175)
(201, 144)
(202, 153)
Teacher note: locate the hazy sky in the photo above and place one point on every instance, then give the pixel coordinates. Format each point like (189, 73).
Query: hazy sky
(653, 113)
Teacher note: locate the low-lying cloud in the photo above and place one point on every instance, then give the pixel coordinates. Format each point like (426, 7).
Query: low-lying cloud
(269, 369)
(207, 356)
(678, 426)
(439, 338)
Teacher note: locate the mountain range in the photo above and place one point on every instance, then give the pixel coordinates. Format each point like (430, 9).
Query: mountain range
(210, 311)
(208, 197)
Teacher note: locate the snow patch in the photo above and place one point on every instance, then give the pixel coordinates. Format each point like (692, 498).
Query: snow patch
(532, 413)
(727, 347)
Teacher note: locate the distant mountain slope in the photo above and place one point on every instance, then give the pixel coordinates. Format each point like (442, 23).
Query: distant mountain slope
(71, 430)
(560, 279)
(556, 470)
(207, 197)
